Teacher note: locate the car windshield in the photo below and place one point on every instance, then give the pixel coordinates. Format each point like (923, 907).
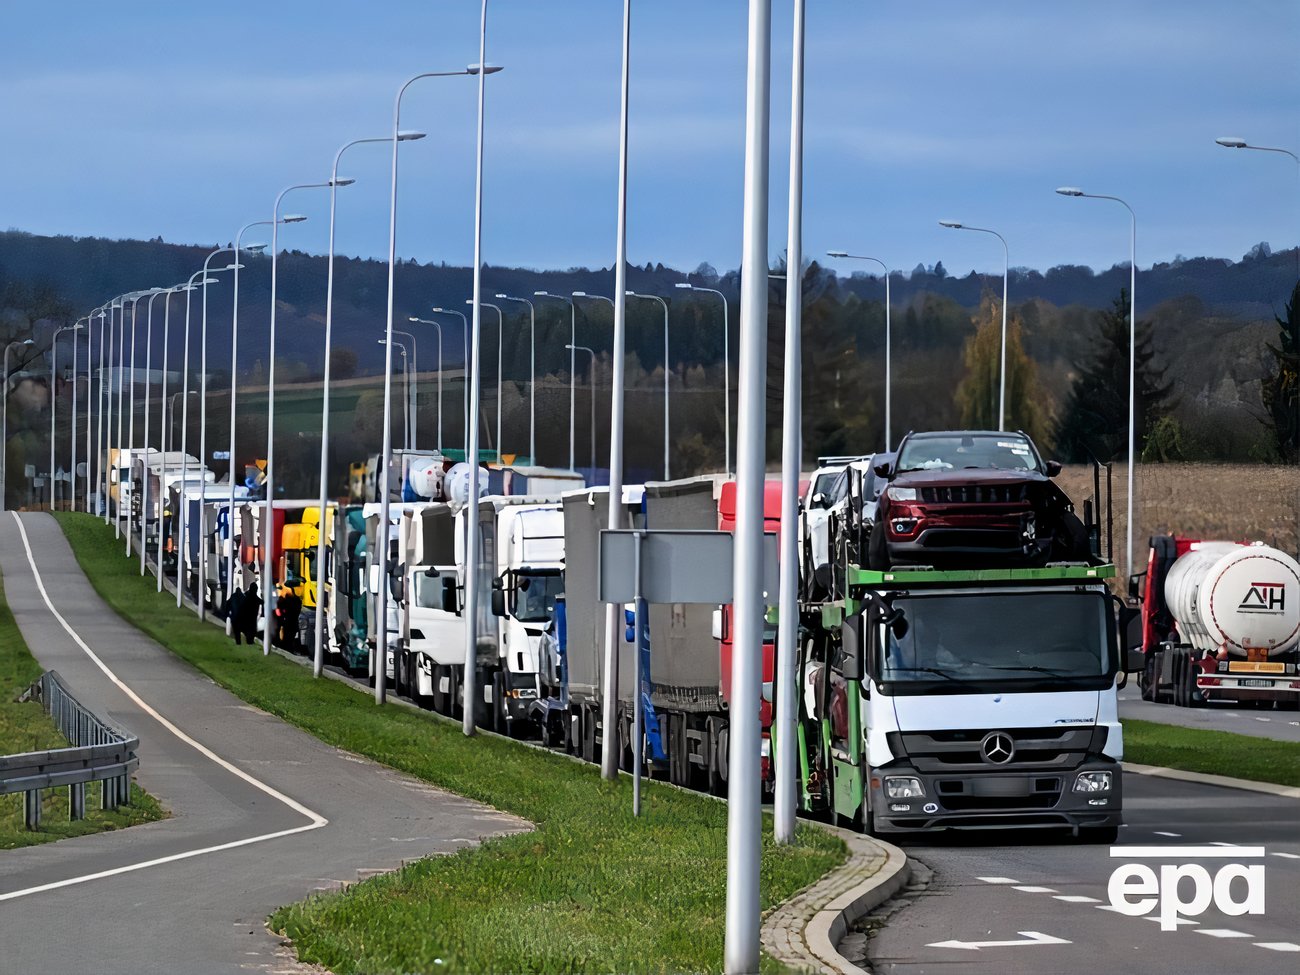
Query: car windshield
(826, 485)
(989, 640)
(535, 594)
(963, 451)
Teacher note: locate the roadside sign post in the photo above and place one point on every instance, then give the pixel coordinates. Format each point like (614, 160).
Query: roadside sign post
(643, 566)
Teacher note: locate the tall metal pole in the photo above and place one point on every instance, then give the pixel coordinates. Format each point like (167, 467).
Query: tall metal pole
(72, 427)
(144, 479)
(179, 515)
(889, 392)
(726, 370)
(744, 825)
(381, 661)
(573, 338)
(500, 339)
(609, 703)
(54, 374)
(409, 367)
(234, 373)
(471, 692)
(438, 326)
(130, 437)
(667, 374)
(1132, 361)
(162, 423)
(532, 376)
(1002, 354)
(201, 606)
(101, 443)
(99, 312)
(787, 698)
(318, 644)
(268, 572)
(464, 385)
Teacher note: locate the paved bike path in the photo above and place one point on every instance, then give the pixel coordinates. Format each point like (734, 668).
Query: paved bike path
(292, 813)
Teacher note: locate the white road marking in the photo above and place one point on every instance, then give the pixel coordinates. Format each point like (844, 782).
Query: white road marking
(1027, 938)
(1277, 945)
(1178, 921)
(1161, 832)
(1210, 851)
(1037, 890)
(317, 820)
(1222, 843)
(998, 880)
(1263, 719)
(1076, 899)
(1222, 933)
(1287, 856)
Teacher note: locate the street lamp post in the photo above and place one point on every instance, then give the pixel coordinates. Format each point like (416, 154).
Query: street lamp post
(573, 337)
(437, 325)
(234, 372)
(532, 376)
(54, 400)
(726, 370)
(667, 372)
(4, 432)
(99, 406)
(164, 429)
(130, 435)
(889, 396)
(72, 427)
(144, 480)
(1002, 355)
(411, 379)
(500, 334)
(268, 568)
(591, 381)
(1229, 142)
(1132, 357)
(121, 403)
(380, 664)
(471, 693)
(406, 386)
(181, 508)
(464, 384)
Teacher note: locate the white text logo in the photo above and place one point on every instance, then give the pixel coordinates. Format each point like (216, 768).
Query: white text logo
(1181, 890)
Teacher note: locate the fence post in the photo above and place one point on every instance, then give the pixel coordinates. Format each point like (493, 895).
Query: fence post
(32, 809)
(126, 788)
(77, 801)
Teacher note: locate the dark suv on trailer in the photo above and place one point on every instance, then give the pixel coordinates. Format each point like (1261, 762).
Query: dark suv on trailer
(971, 497)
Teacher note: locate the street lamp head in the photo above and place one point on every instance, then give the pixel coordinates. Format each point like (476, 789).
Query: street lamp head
(490, 69)
(684, 285)
(579, 294)
(409, 135)
(837, 253)
(1069, 191)
(414, 319)
(439, 308)
(541, 294)
(345, 181)
(234, 267)
(1230, 142)
(501, 296)
(207, 281)
(469, 301)
(254, 248)
(293, 218)
(950, 224)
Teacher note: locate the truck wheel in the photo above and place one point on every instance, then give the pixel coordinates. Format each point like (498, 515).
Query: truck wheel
(721, 754)
(1148, 678)
(1180, 684)
(587, 722)
(500, 724)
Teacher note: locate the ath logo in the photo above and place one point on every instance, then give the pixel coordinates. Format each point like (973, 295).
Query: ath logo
(1264, 597)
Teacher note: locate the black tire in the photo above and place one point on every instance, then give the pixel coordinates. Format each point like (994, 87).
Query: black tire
(500, 723)
(1070, 540)
(877, 547)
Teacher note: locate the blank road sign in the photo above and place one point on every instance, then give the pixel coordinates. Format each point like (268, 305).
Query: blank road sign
(676, 566)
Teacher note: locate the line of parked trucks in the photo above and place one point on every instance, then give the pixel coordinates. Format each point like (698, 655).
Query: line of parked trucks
(959, 649)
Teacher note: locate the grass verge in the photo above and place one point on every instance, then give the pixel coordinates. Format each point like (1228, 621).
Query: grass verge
(26, 727)
(590, 889)
(1213, 752)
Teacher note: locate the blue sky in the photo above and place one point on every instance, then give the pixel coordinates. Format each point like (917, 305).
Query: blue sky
(136, 119)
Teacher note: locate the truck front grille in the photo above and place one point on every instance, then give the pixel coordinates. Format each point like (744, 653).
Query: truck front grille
(959, 751)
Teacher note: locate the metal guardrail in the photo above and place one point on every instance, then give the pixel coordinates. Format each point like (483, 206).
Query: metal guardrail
(98, 752)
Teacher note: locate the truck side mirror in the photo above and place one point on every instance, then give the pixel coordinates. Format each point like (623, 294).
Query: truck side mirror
(1053, 468)
(498, 600)
(1135, 582)
(851, 648)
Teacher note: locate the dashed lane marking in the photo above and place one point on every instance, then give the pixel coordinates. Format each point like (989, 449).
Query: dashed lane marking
(1277, 945)
(1076, 899)
(1161, 832)
(998, 880)
(1222, 933)
(1028, 889)
(1286, 856)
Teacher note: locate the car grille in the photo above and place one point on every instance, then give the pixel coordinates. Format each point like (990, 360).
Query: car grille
(959, 751)
(976, 494)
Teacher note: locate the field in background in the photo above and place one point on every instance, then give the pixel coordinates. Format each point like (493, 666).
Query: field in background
(1235, 502)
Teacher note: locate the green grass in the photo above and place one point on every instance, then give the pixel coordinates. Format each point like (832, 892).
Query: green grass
(1215, 752)
(25, 727)
(590, 889)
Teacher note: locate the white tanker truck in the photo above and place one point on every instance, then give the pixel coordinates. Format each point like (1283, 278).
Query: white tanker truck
(1220, 621)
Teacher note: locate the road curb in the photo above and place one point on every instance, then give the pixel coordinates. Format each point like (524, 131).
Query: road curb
(1206, 778)
(804, 931)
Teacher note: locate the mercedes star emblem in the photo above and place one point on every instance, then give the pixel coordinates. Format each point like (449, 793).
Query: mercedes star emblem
(997, 748)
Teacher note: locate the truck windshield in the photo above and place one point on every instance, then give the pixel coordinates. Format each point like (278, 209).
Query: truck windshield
(535, 593)
(430, 592)
(988, 641)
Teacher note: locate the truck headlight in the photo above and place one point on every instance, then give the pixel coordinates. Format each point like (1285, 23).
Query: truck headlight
(1092, 782)
(903, 787)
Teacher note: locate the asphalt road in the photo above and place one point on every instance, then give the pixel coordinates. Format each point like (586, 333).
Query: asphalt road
(1052, 894)
(262, 813)
(1214, 716)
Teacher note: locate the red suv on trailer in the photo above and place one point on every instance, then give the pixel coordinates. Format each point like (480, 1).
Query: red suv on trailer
(969, 497)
